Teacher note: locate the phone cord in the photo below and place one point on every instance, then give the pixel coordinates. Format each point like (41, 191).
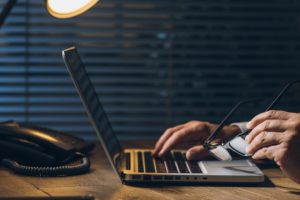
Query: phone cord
(64, 170)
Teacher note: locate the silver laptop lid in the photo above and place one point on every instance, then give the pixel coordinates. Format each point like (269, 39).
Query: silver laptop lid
(93, 106)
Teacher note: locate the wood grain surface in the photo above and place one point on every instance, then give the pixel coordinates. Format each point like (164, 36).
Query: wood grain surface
(104, 184)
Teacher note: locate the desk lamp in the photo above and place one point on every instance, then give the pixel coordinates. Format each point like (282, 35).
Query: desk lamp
(57, 8)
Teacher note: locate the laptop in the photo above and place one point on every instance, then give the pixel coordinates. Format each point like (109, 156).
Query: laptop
(137, 165)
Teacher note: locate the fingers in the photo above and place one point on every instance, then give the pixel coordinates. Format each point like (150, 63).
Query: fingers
(266, 152)
(197, 153)
(264, 139)
(272, 114)
(172, 141)
(192, 131)
(267, 126)
(159, 144)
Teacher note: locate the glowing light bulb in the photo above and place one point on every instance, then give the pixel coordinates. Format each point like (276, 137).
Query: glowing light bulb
(69, 8)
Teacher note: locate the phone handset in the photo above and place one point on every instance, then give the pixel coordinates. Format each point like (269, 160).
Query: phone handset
(39, 151)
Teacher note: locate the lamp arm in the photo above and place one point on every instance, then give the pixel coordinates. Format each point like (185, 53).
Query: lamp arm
(6, 11)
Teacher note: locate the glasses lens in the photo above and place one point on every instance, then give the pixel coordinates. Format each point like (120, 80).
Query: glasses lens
(220, 153)
(238, 145)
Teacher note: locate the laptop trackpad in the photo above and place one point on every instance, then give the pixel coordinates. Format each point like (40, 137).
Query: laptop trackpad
(230, 168)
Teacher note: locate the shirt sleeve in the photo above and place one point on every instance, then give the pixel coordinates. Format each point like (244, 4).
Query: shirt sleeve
(241, 125)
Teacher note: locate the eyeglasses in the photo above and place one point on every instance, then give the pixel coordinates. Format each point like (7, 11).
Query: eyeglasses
(237, 144)
(220, 151)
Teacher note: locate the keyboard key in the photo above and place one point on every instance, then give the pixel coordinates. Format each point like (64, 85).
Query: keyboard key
(140, 162)
(128, 161)
(180, 162)
(170, 163)
(193, 165)
(160, 166)
(149, 162)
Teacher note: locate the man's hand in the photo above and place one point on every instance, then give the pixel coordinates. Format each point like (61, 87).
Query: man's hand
(276, 135)
(195, 132)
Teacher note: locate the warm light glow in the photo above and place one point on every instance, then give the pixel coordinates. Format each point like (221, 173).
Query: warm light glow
(69, 8)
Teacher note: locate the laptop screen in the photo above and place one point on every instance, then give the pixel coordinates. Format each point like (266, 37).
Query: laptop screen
(91, 103)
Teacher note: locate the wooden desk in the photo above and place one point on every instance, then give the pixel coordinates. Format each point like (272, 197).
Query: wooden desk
(104, 184)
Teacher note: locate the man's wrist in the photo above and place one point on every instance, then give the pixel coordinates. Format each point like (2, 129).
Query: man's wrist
(242, 126)
(230, 131)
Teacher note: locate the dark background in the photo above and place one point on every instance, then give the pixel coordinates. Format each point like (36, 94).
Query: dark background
(155, 63)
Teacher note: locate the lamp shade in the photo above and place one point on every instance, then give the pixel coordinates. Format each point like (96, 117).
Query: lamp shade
(69, 8)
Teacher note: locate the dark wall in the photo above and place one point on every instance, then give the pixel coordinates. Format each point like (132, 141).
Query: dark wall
(155, 63)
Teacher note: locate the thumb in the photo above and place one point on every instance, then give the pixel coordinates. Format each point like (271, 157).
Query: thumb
(197, 153)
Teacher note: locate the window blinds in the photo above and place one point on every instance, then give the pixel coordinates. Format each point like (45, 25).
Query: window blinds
(154, 63)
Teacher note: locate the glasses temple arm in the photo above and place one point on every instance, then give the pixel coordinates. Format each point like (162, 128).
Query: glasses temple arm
(224, 121)
(281, 94)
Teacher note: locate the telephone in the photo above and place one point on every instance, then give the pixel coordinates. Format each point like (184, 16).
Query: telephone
(37, 151)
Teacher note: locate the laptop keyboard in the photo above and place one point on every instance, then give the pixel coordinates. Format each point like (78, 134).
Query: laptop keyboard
(140, 162)
(194, 167)
(180, 162)
(172, 163)
(128, 163)
(160, 166)
(149, 164)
